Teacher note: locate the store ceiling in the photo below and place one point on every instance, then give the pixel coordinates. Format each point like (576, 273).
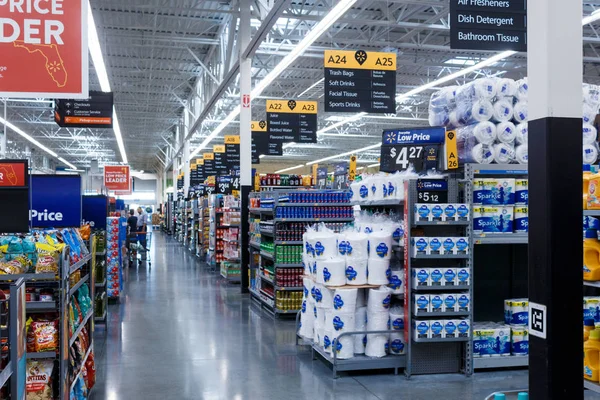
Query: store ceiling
(156, 50)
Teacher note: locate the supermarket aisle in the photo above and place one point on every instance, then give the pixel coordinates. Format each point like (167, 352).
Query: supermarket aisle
(181, 333)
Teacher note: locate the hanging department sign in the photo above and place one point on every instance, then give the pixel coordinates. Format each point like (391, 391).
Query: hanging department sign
(55, 208)
(44, 48)
(116, 177)
(488, 25)
(261, 145)
(360, 81)
(292, 121)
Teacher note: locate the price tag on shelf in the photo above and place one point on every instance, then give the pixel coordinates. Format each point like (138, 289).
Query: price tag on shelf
(432, 190)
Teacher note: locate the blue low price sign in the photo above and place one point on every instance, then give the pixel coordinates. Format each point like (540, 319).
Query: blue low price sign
(55, 201)
(95, 211)
(419, 147)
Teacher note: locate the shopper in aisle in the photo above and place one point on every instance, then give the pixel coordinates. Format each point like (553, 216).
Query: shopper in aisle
(142, 227)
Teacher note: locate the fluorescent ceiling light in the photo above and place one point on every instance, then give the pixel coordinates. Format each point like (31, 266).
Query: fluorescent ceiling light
(460, 61)
(290, 168)
(100, 67)
(312, 86)
(67, 163)
(348, 153)
(342, 122)
(591, 18)
(373, 165)
(347, 135)
(328, 20)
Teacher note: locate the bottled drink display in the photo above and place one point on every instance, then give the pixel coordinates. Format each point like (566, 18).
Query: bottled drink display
(288, 300)
(315, 212)
(289, 277)
(288, 254)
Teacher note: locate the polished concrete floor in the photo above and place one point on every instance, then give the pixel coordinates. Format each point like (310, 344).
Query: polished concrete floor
(181, 332)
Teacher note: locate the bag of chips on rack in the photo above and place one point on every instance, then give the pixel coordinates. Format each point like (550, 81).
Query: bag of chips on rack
(90, 365)
(46, 335)
(85, 232)
(47, 259)
(30, 336)
(39, 380)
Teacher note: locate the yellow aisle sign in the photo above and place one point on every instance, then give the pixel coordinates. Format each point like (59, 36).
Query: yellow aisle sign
(451, 150)
(208, 156)
(232, 139)
(352, 169)
(193, 163)
(219, 148)
(291, 107)
(200, 161)
(258, 126)
(360, 59)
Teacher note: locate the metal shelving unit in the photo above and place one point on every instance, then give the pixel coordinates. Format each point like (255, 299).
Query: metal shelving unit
(500, 362)
(100, 287)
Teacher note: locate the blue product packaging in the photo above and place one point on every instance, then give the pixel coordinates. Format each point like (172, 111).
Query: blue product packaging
(521, 218)
(435, 245)
(498, 219)
(423, 212)
(478, 192)
(437, 213)
(436, 277)
(437, 303)
(498, 191)
(462, 212)
(437, 329)
(449, 212)
(462, 246)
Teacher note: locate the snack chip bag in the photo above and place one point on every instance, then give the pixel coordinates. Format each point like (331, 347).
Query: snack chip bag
(39, 380)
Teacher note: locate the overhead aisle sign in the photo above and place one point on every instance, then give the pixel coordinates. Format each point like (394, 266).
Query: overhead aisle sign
(261, 143)
(360, 81)
(55, 208)
(232, 149)
(292, 121)
(93, 112)
(44, 49)
(488, 25)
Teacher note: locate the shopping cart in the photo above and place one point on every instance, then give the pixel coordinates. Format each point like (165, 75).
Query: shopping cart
(137, 248)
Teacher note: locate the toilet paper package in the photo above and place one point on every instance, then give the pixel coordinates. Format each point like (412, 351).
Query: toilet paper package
(462, 245)
(462, 212)
(361, 300)
(449, 212)
(521, 219)
(323, 296)
(504, 153)
(397, 319)
(422, 303)
(450, 303)
(420, 277)
(503, 111)
(333, 271)
(463, 276)
(420, 245)
(497, 219)
(479, 221)
(519, 341)
(398, 234)
(422, 212)
(380, 245)
(498, 191)
(522, 154)
(437, 212)
(341, 321)
(506, 132)
(378, 320)
(450, 329)
(308, 285)
(520, 112)
(376, 345)
(522, 133)
(436, 277)
(356, 271)
(343, 346)
(449, 278)
(521, 192)
(397, 343)
(590, 153)
(463, 327)
(464, 302)
(435, 245)
(506, 87)
(307, 320)
(325, 246)
(378, 271)
(344, 300)
(360, 325)
(421, 329)
(436, 327)
(379, 299)
(396, 281)
(357, 245)
(436, 302)
(327, 340)
(516, 312)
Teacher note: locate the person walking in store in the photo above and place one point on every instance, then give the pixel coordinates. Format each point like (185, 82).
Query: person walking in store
(132, 228)
(142, 227)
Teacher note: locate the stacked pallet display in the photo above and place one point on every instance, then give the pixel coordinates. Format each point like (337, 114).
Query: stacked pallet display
(115, 236)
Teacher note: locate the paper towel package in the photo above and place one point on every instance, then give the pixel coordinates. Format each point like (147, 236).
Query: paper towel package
(356, 271)
(379, 299)
(397, 343)
(380, 245)
(478, 191)
(378, 271)
(498, 191)
(422, 212)
(436, 277)
(422, 303)
(521, 219)
(435, 245)
(360, 325)
(437, 212)
(464, 302)
(420, 277)
(462, 245)
(479, 221)
(421, 329)
(464, 276)
(521, 191)
(420, 245)
(345, 300)
(396, 281)
(397, 319)
(436, 327)
(498, 219)
(333, 271)
(437, 302)
(357, 245)
(450, 278)
(492, 342)
(450, 303)
(450, 330)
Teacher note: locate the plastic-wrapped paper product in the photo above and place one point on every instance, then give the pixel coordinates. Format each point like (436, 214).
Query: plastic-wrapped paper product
(503, 110)
(396, 281)
(590, 134)
(380, 245)
(506, 132)
(520, 111)
(590, 153)
(591, 95)
(360, 324)
(522, 133)
(522, 89)
(506, 87)
(379, 299)
(361, 298)
(343, 347)
(341, 321)
(307, 320)
(308, 286)
(439, 118)
(453, 121)
(333, 271)
(376, 345)
(355, 191)
(397, 318)
(398, 233)
(482, 110)
(485, 132)
(323, 296)
(397, 343)
(504, 153)
(356, 271)
(443, 99)
(345, 300)
(589, 113)
(521, 154)
(378, 271)
(327, 340)
(358, 245)
(485, 88)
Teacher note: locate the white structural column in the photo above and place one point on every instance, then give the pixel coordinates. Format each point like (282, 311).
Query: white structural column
(555, 66)
(245, 134)
(186, 155)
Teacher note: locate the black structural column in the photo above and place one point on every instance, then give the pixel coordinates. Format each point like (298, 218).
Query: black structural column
(555, 66)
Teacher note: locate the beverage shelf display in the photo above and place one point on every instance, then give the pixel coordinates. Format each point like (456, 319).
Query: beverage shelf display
(100, 276)
(223, 250)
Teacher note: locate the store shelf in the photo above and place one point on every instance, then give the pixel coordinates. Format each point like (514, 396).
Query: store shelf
(314, 219)
(289, 289)
(442, 314)
(499, 169)
(501, 238)
(29, 277)
(593, 213)
(593, 386)
(361, 362)
(231, 240)
(442, 223)
(266, 232)
(440, 256)
(43, 355)
(442, 340)
(266, 278)
(592, 283)
(261, 298)
(78, 330)
(289, 242)
(266, 255)
(500, 362)
(266, 211)
(378, 203)
(101, 284)
(78, 285)
(87, 354)
(40, 306)
(267, 295)
(288, 265)
(278, 311)
(254, 210)
(80, 263)
(314, 205)
(283, 187)
(254, 245)
(439, 288)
